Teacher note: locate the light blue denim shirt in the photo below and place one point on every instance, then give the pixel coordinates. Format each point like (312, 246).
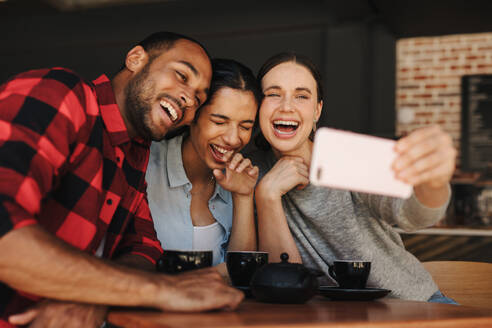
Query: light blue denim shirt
(169, 198)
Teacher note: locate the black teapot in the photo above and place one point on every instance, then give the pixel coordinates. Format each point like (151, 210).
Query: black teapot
(284, 282)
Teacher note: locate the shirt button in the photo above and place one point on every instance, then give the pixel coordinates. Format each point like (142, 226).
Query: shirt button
(109, 201)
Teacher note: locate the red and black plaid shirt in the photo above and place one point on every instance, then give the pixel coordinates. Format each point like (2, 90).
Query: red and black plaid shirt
(68, 164)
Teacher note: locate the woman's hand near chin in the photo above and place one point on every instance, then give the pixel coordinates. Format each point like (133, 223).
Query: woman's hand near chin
(240, 176)
(289, 172)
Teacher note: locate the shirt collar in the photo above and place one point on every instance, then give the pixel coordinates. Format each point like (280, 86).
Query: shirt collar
(176, 173)
(110, 112)
(174, 161)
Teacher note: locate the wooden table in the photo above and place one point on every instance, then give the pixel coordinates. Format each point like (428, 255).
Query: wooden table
(318, 312)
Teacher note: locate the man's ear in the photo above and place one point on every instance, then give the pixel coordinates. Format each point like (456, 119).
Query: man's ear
(136, 59)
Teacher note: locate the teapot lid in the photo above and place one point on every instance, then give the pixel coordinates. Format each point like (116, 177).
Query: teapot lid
(282, 274)
(284, 262)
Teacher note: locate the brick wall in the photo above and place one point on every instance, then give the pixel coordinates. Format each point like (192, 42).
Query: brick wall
(428, 78)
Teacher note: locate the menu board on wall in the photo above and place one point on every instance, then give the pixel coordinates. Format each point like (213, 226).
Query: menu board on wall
(476, 122)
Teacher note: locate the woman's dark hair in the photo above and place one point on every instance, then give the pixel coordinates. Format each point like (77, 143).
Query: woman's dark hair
(275, 60)
(228, 73)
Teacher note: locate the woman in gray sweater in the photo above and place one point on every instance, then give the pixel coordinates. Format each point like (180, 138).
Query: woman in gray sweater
(317, 225)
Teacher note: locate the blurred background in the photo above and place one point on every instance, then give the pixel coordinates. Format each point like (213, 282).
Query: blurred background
(389, 66)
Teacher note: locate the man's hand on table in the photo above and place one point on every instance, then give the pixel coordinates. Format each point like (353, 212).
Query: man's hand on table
(199, 290)
(61, 314)
(193, 291)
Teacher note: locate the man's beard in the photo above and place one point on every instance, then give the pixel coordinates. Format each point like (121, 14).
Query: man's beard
(138, 98)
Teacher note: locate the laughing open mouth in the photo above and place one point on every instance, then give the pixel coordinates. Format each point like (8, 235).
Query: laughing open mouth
(169, 109)
(285, 127)
(219, 152)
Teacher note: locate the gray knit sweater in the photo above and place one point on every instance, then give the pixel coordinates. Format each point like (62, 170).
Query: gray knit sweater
(329, 224)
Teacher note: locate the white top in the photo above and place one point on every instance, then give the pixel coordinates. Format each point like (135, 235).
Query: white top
(209, 237)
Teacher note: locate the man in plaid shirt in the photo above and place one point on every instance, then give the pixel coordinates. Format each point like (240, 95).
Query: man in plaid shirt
(73, 157)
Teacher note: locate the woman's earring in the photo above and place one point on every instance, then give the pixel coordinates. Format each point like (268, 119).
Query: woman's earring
(314, 124)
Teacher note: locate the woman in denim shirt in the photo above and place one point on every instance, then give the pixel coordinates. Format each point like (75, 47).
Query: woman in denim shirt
(200, 188)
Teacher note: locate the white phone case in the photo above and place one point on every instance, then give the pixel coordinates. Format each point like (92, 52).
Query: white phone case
(357, 162)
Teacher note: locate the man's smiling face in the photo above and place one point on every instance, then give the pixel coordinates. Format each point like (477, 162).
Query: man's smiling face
(167, 91)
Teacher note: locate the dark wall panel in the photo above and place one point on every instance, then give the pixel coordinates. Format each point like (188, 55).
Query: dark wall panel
(359, 74)
(255, 49)
(345, 106)
(382, 74)
(359, 90)
(96, 40)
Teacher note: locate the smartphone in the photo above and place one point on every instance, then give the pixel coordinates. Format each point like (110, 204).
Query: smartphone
(356, 162)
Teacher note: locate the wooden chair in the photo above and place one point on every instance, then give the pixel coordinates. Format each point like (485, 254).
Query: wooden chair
(468, 283)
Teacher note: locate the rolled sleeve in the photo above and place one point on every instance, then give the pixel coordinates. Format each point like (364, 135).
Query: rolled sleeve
(414, 215)
(409, 214)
